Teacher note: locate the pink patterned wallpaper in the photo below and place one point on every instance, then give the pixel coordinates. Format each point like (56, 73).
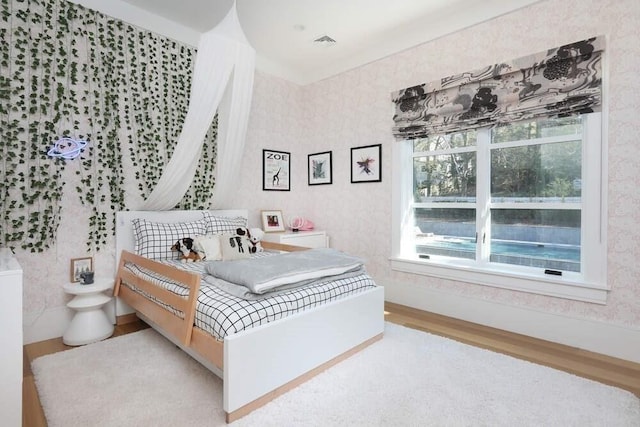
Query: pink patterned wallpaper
(354, 109)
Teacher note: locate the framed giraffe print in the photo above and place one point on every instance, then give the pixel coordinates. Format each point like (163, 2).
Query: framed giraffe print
(276, 170)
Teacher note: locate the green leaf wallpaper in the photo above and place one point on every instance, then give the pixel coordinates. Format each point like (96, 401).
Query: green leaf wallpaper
(66, 70)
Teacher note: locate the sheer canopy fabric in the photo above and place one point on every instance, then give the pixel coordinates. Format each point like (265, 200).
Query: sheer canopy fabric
(233, 116)
(222, 77)
(561, 81)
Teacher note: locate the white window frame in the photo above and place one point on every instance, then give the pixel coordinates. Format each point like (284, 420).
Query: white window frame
(589, 285)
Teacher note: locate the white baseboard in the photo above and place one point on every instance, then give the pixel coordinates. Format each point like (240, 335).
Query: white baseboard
(52, 322)
(600, 337)
(122, 308)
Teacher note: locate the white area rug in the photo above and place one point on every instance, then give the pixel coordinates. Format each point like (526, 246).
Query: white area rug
(409, 378)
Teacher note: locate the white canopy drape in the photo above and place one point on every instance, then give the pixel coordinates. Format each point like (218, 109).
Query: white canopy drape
(222, 77)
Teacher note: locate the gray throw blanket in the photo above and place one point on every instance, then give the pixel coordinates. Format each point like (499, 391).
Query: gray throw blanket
(265, 274)
(245, 293)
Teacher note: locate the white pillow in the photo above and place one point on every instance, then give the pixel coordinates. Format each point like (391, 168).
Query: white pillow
(154, 239)
(208, 247)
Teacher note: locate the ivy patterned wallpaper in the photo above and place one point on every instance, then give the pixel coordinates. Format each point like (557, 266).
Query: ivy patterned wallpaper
(71, 71)
(66, 70)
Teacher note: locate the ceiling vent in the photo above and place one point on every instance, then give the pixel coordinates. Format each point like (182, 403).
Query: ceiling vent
(325, 41)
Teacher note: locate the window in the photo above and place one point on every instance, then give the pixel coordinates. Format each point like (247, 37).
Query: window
(518, 206)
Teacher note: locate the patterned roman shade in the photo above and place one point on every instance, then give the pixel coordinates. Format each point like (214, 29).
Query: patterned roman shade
(562, 81)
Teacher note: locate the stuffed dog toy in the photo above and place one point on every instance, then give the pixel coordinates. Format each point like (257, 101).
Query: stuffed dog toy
(186, 249)
(255, 236)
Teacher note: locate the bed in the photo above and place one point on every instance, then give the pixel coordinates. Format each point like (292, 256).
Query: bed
(256, 364)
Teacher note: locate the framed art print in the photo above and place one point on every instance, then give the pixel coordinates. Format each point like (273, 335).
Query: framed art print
(79, 266)
(366, 163)
(320, 169)
(272, 221)
(276, 170)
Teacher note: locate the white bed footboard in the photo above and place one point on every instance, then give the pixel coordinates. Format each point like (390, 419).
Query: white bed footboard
(268, 358)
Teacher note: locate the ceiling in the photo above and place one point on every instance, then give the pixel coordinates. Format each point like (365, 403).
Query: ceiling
(283, 31)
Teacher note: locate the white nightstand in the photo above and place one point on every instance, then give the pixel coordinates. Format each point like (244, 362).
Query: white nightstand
(307, 239)
(90, 323)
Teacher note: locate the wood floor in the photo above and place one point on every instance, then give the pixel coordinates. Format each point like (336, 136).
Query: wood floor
(608, 370)
(605, 369)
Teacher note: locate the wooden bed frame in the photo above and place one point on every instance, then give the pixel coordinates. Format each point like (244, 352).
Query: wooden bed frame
(261, 363)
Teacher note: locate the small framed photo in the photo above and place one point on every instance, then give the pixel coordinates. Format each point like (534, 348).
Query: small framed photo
(276, 170)
(79, 266)
(272, 221)
(366, 163)
(320, 171)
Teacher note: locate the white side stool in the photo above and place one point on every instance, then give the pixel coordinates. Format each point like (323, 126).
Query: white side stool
(90, 323)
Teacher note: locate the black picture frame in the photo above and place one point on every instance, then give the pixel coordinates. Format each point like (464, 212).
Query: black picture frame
(276, 170)
(366, 164)
(320, 168)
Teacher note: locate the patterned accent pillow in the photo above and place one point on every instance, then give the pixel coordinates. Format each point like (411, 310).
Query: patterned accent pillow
(234, 247)
(154, 239)
(223, 225)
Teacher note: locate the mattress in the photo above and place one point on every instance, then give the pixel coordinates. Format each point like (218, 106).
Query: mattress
(220, 314)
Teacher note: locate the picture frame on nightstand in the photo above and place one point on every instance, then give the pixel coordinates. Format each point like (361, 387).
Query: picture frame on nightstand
(79, 266)
(272, 221)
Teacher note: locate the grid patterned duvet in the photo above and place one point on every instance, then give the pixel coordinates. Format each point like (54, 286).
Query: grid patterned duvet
(220, 313)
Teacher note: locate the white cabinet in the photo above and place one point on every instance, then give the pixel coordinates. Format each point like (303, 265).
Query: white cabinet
(307, 239)
(11, 339)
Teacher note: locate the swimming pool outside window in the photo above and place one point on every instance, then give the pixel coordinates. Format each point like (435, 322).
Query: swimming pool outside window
(522, 199)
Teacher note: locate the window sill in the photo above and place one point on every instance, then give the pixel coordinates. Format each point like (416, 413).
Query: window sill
(506, 278)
